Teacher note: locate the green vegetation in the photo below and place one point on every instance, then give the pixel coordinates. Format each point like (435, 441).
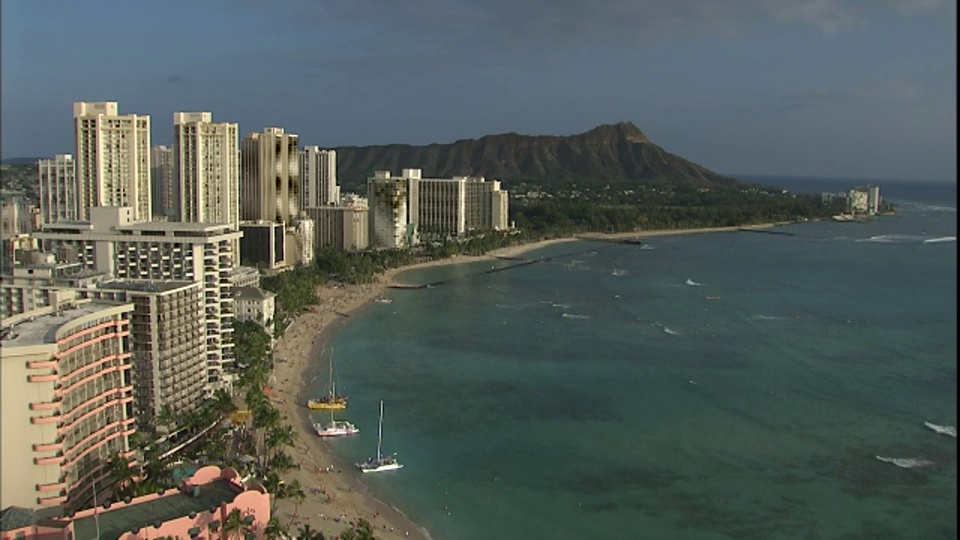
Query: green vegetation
(629, 207)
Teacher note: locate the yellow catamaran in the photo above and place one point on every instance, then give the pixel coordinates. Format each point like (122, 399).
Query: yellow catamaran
(331, 400)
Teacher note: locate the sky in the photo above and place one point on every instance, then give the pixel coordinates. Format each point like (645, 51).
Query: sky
(813, 88)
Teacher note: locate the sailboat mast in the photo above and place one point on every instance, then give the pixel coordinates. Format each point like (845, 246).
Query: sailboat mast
(380, 431)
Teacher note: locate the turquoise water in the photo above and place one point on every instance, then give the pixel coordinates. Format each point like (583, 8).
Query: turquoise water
(723, 385)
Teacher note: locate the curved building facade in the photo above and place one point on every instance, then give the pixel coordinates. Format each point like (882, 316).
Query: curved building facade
(67, 403)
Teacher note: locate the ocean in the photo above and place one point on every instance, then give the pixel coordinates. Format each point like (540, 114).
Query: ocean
(721, 385)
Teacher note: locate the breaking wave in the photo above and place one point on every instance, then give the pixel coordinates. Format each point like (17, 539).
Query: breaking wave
(941, 239)
(907, 463)
(692, 283)
(575, 316)
(943, 430)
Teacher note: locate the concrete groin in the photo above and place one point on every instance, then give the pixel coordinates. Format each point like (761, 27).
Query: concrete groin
(763, 231)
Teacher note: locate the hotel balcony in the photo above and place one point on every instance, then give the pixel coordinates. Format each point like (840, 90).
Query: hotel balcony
(45, 405)
(41, 364)
(51, 500)
(49, 460)
(58, 486)
(46, 419)
(49, 447)
(42, 378)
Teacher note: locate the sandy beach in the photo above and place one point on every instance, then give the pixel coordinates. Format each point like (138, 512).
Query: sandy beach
(334, 494)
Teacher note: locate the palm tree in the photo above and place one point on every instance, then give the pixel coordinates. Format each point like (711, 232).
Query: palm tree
(274, 530)
(295, 491)
(306, 533)
(281, 462)
(123, 477)
(236, 526)
(361, 530)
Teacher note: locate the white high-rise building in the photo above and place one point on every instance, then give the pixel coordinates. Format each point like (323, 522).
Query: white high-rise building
(164, 194)
(58, 189)
(206, 169)
(113, 158)
(270, 176)
(318, 177)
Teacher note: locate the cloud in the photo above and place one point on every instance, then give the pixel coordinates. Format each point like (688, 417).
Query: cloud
(517, 25)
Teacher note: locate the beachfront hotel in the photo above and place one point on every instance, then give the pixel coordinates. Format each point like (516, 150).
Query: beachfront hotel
(113, 243)
(112, 158)
(68, 397)
(344, 226)
(198, 508)
(58, 189)
(435, 207)
(167, 345)
(388, 197)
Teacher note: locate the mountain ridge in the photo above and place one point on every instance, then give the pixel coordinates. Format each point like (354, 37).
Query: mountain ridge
(608, 152)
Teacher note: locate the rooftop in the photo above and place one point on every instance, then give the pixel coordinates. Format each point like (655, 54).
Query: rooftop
(14, 517)
(253, 293)
(142, 285)
(113, 523)
(42, 328)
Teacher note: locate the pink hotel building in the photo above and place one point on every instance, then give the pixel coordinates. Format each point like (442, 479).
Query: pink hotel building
(67, 403)
(198, 510)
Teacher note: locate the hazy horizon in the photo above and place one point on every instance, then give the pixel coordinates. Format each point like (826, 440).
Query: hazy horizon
(814, 88)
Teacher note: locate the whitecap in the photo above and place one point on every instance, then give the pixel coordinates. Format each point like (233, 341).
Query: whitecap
(941, 239)
(943, 430)
(671, 332)
(692, 283)
(563, 306)
(575, 316)
(619, 272)
(894, 239)
(647, 247)
(761, 317)
(907, 463)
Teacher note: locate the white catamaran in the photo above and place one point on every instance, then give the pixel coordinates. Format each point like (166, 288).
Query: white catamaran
(336, 428)
(381, 463)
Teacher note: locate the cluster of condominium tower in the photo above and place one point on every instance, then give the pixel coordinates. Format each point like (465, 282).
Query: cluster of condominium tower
(121, 306)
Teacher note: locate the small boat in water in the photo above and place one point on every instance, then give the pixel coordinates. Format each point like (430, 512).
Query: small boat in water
(381, 463)
(331, 400)
(382, 300)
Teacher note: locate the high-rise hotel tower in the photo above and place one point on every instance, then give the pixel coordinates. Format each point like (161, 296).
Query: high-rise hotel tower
(206, 169)
(113, 158)
(270, 176)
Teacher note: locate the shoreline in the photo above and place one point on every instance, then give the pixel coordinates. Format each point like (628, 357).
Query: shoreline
(336, 497)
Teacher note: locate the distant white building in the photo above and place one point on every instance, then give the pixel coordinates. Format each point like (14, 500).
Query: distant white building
(58, 189)
(318, 177)
(164, 192)
(864, 200)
